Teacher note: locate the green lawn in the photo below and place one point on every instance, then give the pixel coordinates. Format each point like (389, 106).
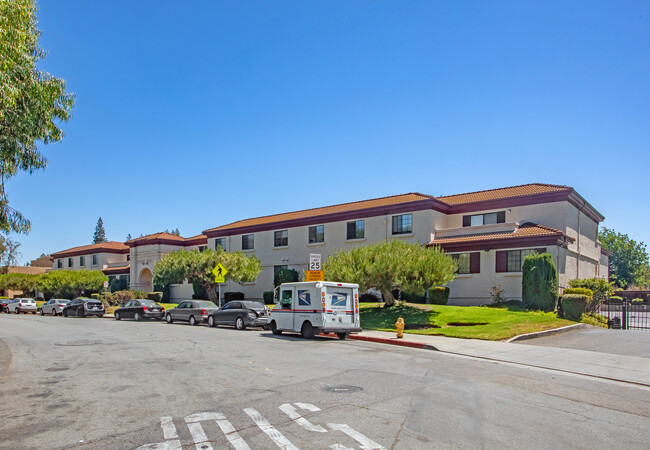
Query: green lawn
(457, 321)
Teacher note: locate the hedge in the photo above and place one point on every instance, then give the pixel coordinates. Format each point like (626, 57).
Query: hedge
(155, 296)
(268, 297)
(580, 291)
(439, 295)
(615, 300)
(637, 301)
(573, 305)
(539, 282)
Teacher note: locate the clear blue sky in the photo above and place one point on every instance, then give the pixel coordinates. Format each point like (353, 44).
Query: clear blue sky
(195, 114)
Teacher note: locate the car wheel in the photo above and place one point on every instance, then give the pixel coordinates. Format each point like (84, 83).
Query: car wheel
(307, 330)
(117, 316)
(274, 329)
(137, 317)
(42, 313)
(211, 322)
(17, 311)
(168, 318)
(192, 321)
(54, 312)
(100, 316)
(81, 313)
(342, 336)
(239, 324)
(65, 313)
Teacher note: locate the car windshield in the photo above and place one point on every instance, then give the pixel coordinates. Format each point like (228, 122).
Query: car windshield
(207, 305)
(148, 303)
(62, 301)
(253, 305)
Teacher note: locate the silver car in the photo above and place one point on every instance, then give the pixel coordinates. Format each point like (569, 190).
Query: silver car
(191, 311)
(54, 306)
(22, 305)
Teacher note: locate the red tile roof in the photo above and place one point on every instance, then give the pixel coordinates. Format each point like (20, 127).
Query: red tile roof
(117, 270)
(327, 210)
(163, 235)
(525, 231)
(104, 247)
(167, 238)
(503, 193)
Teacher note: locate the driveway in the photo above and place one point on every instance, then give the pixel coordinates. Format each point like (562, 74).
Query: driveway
(618, 342)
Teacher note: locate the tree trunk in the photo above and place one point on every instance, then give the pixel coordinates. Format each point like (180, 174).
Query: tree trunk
(388, 298)
(211, 291)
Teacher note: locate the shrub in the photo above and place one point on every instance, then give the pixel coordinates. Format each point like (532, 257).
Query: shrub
(230, 296)
(580, 291)
(96, 296)
(637, 301)
(600, 287)
(439, 295)
(368, 298)
(268, 297)
(573, 306)
(539, 282)
(497, 293)
(199, 291)
(413, 298)
(285, 276)
(615, 300)
(155, 296)
(118, 284)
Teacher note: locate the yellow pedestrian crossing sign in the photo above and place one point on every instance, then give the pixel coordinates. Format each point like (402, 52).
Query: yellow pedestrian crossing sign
(219, 273)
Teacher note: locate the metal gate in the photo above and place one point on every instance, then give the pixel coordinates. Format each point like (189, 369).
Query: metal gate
(626, 315)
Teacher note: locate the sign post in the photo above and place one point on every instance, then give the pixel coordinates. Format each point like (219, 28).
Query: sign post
(315, 273)
(219, 272)
(106, 292)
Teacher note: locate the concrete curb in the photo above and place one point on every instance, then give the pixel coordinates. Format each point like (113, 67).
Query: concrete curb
(393, 341)
(545, 333)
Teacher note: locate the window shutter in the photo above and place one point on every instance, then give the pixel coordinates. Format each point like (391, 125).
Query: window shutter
(501, 217)
(475, 262)
(466, 221)
(351, 230)
(502, 261)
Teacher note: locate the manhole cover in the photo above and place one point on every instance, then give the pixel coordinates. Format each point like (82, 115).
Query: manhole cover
(76, 343)
(342, 389)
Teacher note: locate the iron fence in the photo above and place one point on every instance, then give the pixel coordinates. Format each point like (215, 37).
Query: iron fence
(625, 315)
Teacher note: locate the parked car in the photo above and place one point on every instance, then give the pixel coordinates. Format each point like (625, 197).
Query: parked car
(22, 305)
(192, 311)
(54, 306)
(240, 314)
(140, 309)
(82, 307)
(4, 302)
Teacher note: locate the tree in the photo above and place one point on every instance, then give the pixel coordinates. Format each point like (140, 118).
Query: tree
(628, 263)
(196, 266)
(100, 234)
(539, 282)
(9, 251)
(26, 283)
(285, 276)
(32, 102)
(128, 237)
(386, 265)
(70, 283)
(174, 232)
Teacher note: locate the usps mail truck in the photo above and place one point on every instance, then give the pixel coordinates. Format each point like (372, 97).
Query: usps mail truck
(316, 307)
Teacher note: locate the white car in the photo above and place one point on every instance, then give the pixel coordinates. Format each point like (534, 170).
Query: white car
(54, 306)
(22, 305)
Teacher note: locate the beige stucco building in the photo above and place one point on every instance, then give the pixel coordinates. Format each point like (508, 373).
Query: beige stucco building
(488, 233)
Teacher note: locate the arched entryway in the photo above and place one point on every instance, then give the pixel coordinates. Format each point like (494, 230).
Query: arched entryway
(145, 280)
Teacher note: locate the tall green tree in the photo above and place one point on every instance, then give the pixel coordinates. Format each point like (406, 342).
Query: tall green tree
(32, 103)
(196, 267)
(9, 253)
(539, 282)
(100, 234)
(70, 283)
(387, 265)
(628, 263)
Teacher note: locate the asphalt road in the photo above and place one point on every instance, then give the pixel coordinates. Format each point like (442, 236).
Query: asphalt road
(99, 383)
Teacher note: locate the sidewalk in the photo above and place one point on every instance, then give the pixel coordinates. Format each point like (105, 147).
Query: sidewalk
(627, 369)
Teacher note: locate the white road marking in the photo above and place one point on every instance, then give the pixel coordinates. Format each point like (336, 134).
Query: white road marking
(270, 431)
(199, 437)
(340, 447)
(169, 445)
(308, 407)
(169, 429)
(306, 424)
(227, 428)
(366, 442)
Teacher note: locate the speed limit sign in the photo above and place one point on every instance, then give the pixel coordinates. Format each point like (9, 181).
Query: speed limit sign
(314, 261)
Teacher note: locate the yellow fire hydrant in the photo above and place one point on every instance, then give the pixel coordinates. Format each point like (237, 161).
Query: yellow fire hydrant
(400, 327)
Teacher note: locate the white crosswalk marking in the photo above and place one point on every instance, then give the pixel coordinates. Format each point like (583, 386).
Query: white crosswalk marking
(199, 437)
(366, 442)
(306, 424)
(232, 435)
(308, 407)
(169, 429)
(169, 445)
(340, 447)
(270, 431)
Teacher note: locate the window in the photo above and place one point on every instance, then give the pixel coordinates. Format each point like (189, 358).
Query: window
(128, 257)
(484, 219)
(356, 229)
(69, 262)
(220, 242)
(95, 260)
(317, 234)
(281, 238)
(467, 262)
(286, 301)
(513, 260)
(202, 248)
(82, 261)
(247, 242)
(59, 264)
(403, 224)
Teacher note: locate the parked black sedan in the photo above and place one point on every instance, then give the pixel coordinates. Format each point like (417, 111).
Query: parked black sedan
(83, 307)
(140, 309)
(240, 314)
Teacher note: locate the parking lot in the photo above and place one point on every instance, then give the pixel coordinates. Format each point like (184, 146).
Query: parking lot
(101, 383)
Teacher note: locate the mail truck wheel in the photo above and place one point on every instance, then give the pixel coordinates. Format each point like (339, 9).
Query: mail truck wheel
(342, 336)
(307, 330)
(274, 329)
